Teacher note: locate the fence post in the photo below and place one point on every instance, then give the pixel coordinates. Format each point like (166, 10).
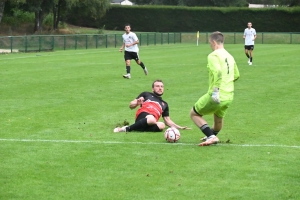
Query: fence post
(234, 35)
(97, 41)
(25, 43)
(180, 36)
(140, 40)
(106, 41)
(291, 38)
(86, 41)
(174, 37)
(168, 38)
(161, 38)
(154, 38)
(52, 45)
(64, 42)
(11, 44)
(147, 39)
(262, 38)
(40, 43)
(75, 42)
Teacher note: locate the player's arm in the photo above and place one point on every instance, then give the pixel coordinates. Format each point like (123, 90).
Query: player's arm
(131, 44)
(236, 72)
(244, 36)
(137, 101)
(170, 123)
(122, 47)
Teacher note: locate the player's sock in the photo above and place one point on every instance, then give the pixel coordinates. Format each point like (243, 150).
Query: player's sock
(214, 132)
(247, 55)
(250, 59)
(142, 65)
(206, 130)
(141, 124)
(128, 69)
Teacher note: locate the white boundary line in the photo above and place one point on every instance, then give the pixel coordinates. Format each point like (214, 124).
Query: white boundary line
(142, 143)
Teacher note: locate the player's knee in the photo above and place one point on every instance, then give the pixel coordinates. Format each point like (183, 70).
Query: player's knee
(151, 120)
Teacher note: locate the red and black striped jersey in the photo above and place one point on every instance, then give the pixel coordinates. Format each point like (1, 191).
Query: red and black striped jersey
(153, 105)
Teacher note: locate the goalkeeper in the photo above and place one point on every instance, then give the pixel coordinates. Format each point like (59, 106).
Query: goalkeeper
(223, 72)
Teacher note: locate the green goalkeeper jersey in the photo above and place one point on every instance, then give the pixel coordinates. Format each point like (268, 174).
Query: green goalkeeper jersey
(223, 72)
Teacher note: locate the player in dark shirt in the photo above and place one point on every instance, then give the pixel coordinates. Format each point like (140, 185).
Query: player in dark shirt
(152, 106)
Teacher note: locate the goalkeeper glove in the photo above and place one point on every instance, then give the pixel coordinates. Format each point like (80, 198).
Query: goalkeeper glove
(216, 95)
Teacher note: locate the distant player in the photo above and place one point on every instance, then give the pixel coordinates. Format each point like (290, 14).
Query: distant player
(249, 36)
(222, 72)
(130, 43)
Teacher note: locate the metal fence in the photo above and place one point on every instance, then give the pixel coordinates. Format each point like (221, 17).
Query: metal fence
(39, 43)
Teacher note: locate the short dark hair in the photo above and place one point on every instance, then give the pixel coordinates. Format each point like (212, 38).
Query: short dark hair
(217, 36)
(158, 80)
(127, 24)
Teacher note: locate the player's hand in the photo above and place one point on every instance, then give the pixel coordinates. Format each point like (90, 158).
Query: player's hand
(121, 49)
(128, 45)
(140, 101)
(216, 95)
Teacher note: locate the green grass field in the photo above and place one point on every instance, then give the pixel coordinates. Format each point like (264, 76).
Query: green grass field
(58, 111)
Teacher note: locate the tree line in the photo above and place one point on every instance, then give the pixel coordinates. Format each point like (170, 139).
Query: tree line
(217, 3)
(59, 9)
(97, 8)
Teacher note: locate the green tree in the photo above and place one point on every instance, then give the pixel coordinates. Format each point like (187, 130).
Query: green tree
(2, 5)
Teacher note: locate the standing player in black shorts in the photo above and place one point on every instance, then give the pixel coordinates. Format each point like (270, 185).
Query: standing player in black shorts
(151, 107)
(249, 36)
(130, 43)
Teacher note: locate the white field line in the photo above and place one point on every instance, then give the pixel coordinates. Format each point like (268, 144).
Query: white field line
(141, 143)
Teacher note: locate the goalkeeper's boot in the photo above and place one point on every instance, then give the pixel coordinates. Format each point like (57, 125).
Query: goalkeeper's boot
(127, 76)
(210, 140)
(118, 129)
(146, 71)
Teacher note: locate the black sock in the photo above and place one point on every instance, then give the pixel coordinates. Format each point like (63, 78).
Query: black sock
(214, 132)
(142, 65)
(128, 69)
(247, 55)
(138, 125)
(206, 130)
(250, 59)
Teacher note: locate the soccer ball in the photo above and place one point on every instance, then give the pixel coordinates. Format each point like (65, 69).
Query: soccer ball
(172, 134)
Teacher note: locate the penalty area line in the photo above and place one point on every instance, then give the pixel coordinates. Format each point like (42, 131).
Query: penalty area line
(143, 143)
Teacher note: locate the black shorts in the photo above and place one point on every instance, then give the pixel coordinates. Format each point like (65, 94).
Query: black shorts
(131, 55)
(151, 128)
(249, 47)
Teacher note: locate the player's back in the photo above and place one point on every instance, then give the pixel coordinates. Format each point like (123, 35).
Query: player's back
(224, 62)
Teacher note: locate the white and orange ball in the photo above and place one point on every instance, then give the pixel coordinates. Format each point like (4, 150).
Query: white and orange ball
(172, 135)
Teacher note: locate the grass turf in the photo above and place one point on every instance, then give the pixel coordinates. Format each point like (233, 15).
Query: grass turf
(58, 110)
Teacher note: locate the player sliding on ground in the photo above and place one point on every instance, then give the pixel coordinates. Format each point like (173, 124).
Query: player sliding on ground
(151, 107)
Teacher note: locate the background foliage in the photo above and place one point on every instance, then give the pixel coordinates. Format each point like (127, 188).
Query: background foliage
(158, 19)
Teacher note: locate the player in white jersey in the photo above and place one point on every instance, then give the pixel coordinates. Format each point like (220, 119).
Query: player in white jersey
(249, 36)
(130, 44)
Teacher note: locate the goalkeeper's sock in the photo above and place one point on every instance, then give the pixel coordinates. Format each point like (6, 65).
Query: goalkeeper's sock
(214, 132)
(128, 69)
(141, 124)
(142, 65)
(206, 130)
